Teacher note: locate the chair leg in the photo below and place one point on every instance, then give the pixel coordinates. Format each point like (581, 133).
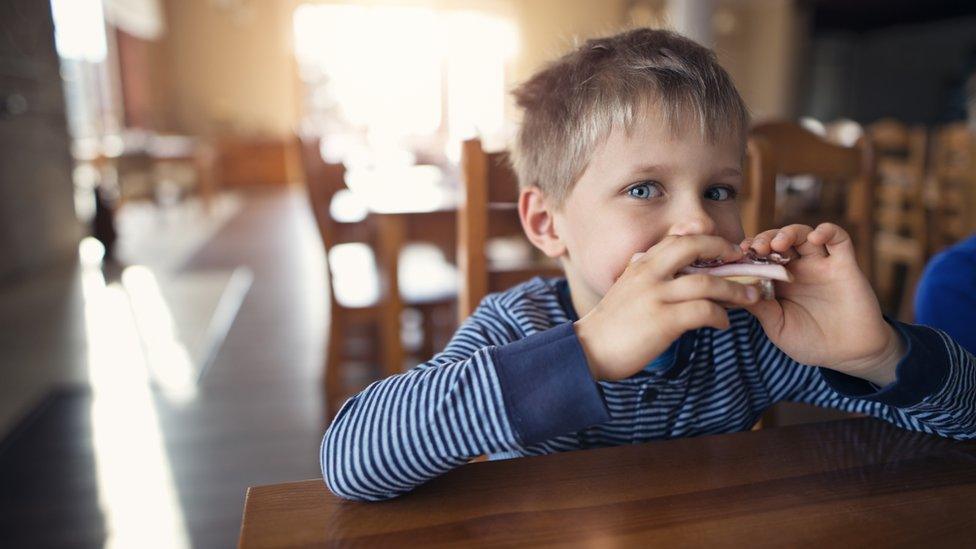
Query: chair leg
(445, 325)
(391, 351)
(906, 310)
(429, 315)
(884, 280)
(333, 364)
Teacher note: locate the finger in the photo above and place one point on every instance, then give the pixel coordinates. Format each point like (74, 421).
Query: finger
(745, 244)
(701, 313)
(702, 286)
(835, 239)
(795, 236)
(636, 256)
(676, 252)
(761, 242)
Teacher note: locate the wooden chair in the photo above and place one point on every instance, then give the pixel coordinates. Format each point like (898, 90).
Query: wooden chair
(779, 150)
(489, 210)
(843, 131)
(845, 174)
(951, 189)
(351, 317)
(901, 237)
(758, 196)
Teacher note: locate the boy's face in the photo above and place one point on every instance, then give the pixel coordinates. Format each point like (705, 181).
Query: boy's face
(636, 190)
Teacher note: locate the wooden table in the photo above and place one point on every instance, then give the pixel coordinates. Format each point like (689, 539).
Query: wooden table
(851, 482)
(420, 207)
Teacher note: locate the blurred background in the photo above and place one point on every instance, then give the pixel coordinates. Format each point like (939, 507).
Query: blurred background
(219, 218)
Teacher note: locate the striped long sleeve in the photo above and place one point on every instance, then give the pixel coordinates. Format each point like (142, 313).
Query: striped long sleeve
(935, 389)
(514, 381)
(404, 430)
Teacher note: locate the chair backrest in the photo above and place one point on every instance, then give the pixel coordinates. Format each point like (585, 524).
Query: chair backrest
(323, 180)
(758, 197)
(320, 184)
(846, 176)
(842, 131)
(899, 197)
(901, 236)
(952, 188)
(488, 209)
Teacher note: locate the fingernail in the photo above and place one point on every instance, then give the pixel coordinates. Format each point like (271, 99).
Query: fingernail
(752, 294)
(779, 236)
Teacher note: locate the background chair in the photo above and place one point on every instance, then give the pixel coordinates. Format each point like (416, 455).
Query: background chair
(358, 293)
(488, 213)
(840, 179)
(758, 196)
(951, 189)
(901, 237)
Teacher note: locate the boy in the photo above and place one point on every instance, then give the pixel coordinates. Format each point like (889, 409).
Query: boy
(629, 159)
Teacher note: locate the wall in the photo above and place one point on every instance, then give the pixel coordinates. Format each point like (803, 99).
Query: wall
(227, 72)
(774, 34)
(908, 71)
(237, 72)
(759, 46)
(549, 28)
(38, 227)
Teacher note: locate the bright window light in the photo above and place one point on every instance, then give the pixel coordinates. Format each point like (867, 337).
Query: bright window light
(395, 72)
(136, 491)
(79, 29)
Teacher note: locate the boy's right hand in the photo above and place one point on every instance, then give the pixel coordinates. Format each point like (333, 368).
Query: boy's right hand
(647, 308)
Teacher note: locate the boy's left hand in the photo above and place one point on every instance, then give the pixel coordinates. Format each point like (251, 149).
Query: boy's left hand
(828, 316)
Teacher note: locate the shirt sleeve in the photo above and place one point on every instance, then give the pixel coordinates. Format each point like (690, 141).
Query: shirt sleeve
(490, 391)
(547, 385)
(932, 392)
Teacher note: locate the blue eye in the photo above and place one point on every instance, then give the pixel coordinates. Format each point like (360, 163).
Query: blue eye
(643, 191)
(720, 194)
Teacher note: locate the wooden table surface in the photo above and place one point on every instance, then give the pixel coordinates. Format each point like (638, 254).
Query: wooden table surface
(850, 482)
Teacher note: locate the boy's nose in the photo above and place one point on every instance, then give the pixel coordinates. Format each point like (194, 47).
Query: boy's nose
(692, 222)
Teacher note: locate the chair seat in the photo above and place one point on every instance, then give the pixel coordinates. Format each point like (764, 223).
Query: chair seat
(424, 276)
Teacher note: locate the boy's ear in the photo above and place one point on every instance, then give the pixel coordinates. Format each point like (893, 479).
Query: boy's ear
(538, 222)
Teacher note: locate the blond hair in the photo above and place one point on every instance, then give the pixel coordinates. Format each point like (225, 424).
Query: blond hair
(571, 105)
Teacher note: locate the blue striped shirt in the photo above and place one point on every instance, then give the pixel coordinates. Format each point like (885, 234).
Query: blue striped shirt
(514, 381)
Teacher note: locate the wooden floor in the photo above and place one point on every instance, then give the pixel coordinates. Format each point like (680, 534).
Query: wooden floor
(149, 470)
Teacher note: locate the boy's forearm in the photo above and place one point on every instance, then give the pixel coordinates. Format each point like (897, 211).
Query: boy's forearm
(412, 427)
(409, 428)
(932, 390)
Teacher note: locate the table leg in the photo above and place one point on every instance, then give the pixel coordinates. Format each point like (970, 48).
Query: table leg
(390, 241)
(204, 162)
